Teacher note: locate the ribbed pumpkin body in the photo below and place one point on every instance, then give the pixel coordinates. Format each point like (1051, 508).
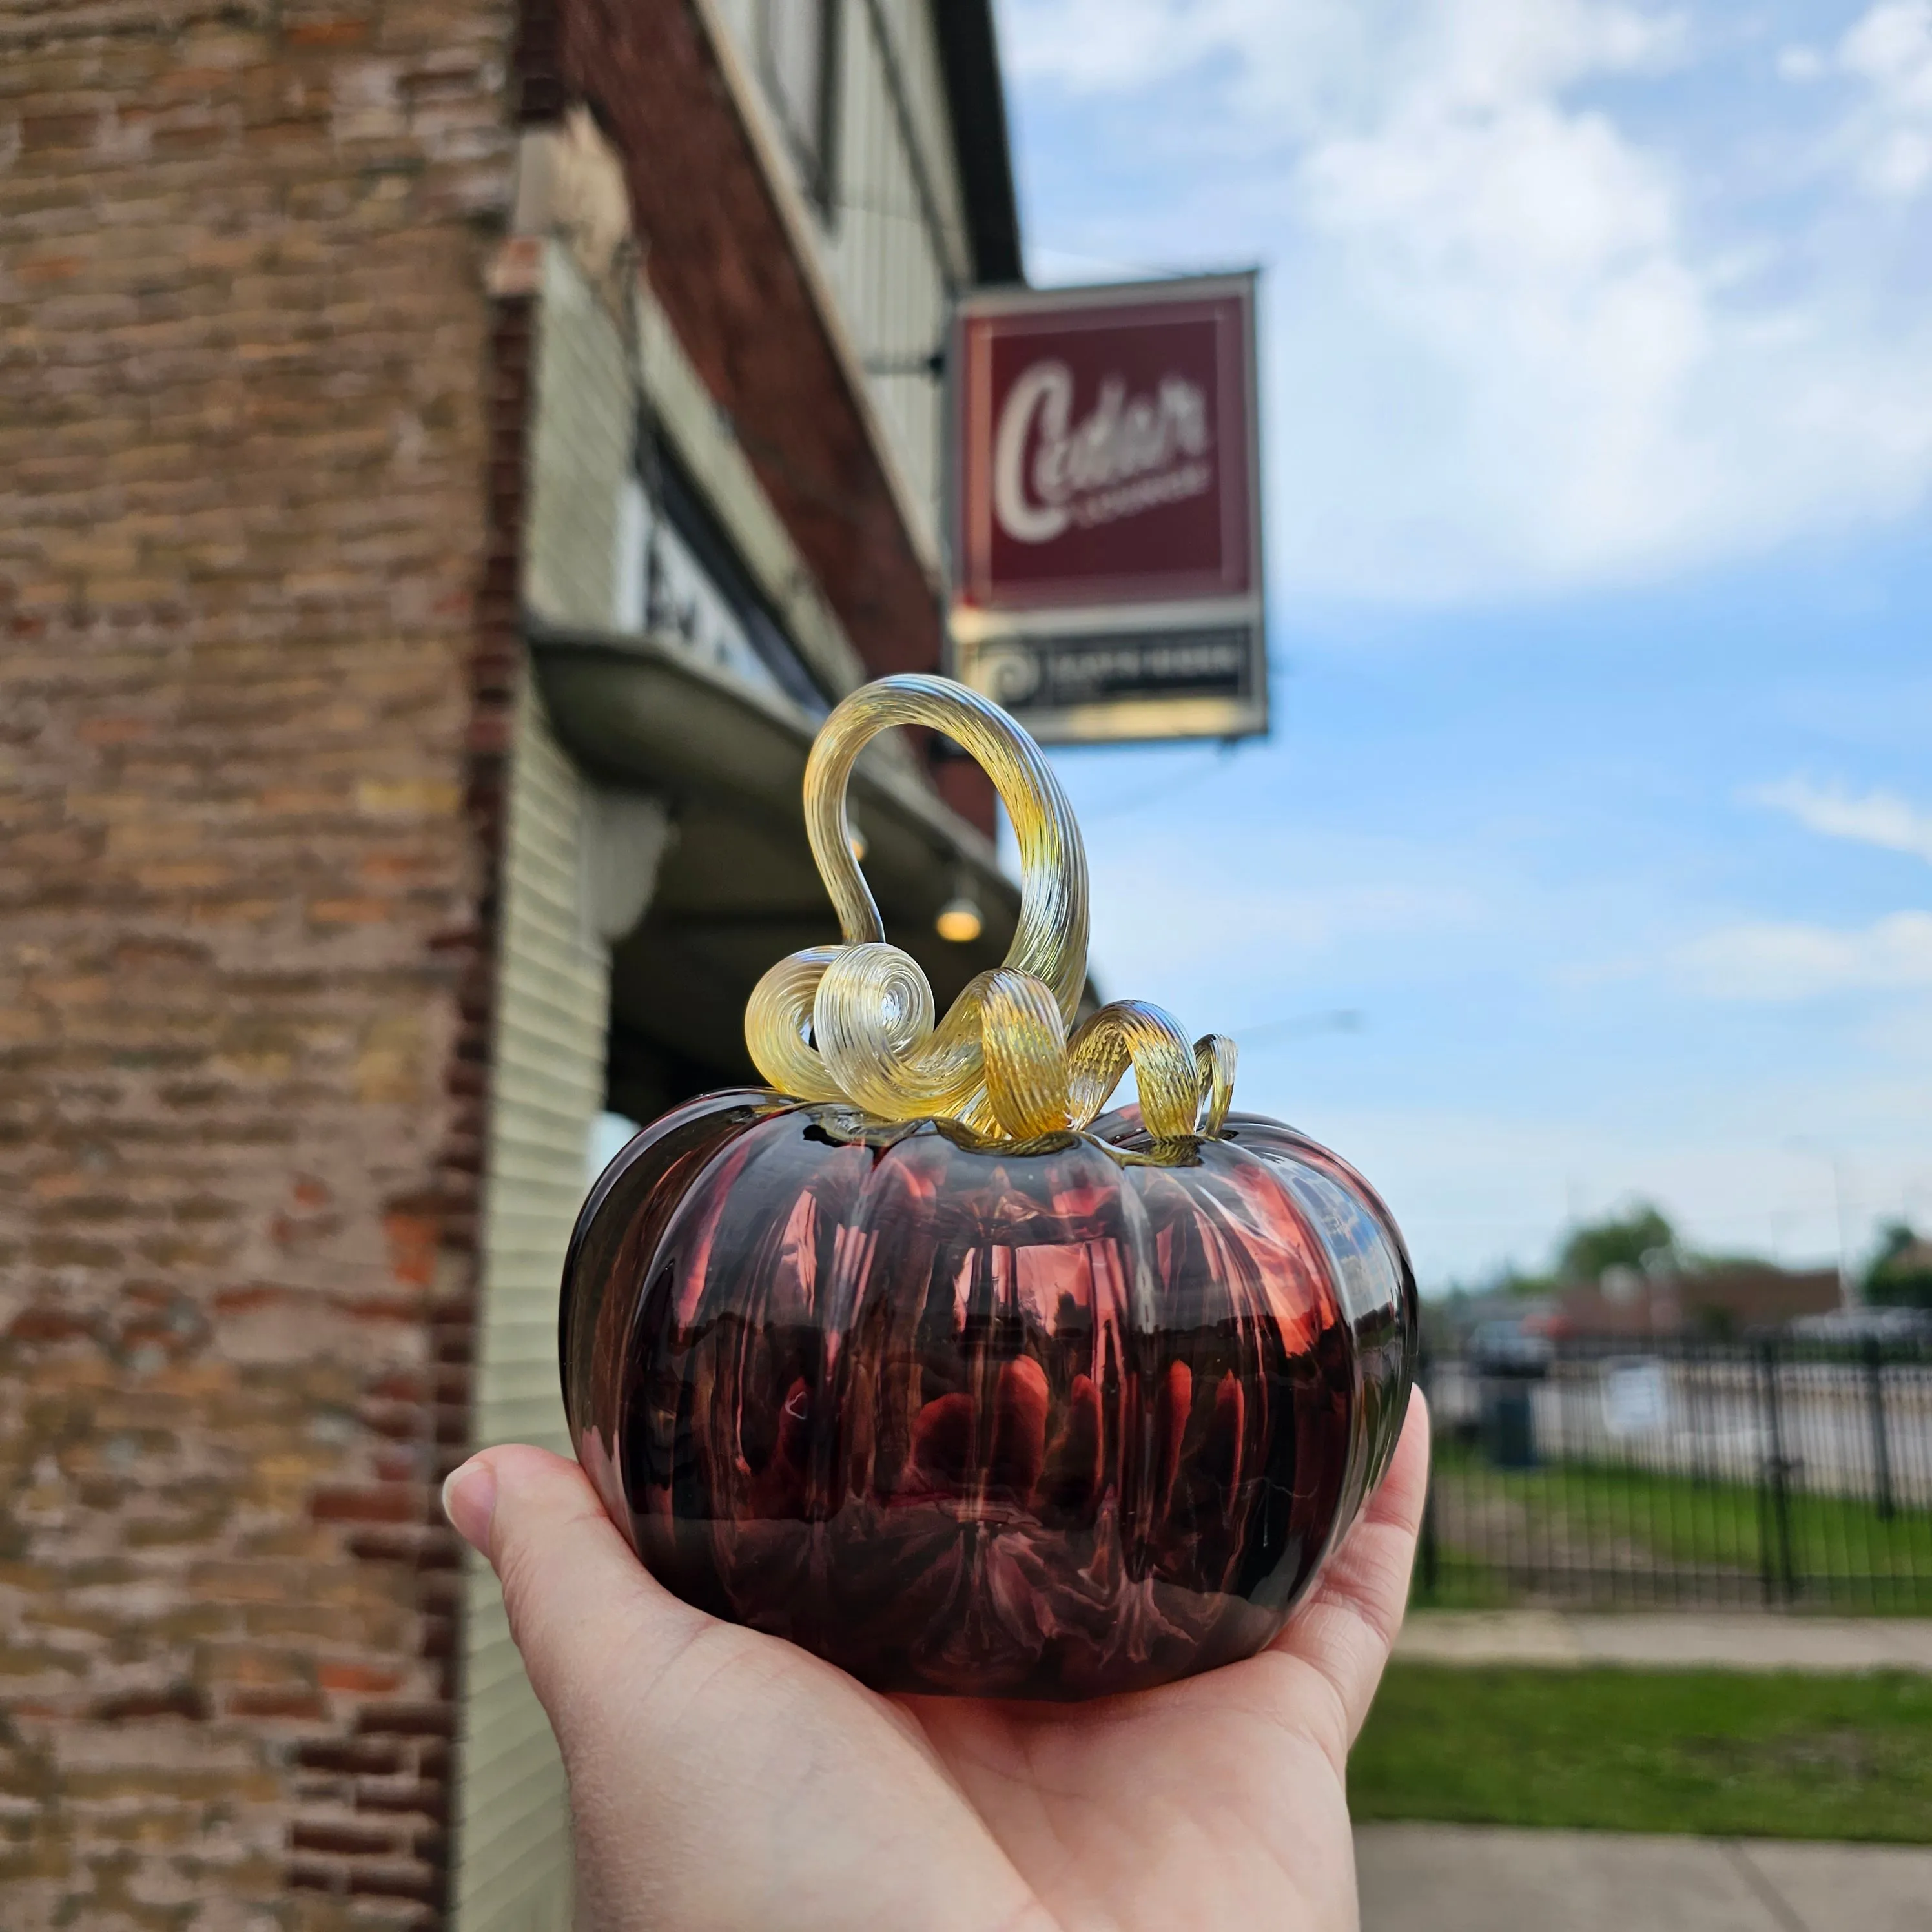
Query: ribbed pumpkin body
(1057, 1420)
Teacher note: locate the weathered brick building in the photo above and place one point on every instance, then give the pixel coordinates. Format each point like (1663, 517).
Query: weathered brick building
(451, 452)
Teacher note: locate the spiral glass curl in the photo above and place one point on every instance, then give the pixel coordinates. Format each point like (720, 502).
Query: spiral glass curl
(855, 1022)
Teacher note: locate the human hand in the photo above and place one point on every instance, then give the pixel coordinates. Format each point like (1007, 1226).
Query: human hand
(722, 1778)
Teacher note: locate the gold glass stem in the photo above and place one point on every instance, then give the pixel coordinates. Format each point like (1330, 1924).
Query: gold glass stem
(1051, 943)
(857, 1021)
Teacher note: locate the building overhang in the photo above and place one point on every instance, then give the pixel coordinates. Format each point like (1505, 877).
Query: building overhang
(738, 889)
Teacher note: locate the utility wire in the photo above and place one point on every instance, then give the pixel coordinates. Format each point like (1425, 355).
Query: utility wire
(1337, 1019)
(1143, 796)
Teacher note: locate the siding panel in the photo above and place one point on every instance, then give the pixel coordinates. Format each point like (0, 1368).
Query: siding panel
(513, 1872)
(890, 272)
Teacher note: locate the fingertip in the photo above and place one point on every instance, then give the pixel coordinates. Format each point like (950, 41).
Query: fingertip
(1417, 1421)
(1399, 1498)
(501, 1493)
(547, 1530)
(470, 1501)
(577, 1597)
(1348, 1625)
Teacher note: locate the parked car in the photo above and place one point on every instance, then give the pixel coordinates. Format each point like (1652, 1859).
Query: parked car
(1865, 1324)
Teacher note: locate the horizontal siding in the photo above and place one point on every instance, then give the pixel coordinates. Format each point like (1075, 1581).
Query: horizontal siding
(889, 270)
(513, 1869)
(580, 453)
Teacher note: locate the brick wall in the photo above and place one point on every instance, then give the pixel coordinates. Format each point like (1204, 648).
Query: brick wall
(512, 1834)
(252, 732)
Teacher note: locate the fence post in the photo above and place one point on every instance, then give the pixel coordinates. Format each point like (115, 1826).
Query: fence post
(1765, 1532)
(1428, 1557)
(1429, 1553)
(1777, 1499)
(1881, 1447)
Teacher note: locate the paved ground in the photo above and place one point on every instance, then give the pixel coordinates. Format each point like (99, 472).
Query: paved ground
(1741, 1641)
(1456, 1878)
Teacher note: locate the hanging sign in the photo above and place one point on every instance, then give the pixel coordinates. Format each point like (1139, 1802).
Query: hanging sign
(1106, 569)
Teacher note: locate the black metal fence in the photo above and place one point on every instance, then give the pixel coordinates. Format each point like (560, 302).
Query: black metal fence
(1614, 1474)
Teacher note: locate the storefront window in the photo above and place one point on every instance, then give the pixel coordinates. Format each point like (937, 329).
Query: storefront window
(680, 579)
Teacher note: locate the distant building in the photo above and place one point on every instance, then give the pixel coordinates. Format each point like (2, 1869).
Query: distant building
(457, 451)
(1723, 1298)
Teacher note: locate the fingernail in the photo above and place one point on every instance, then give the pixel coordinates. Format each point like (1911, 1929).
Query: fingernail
(469, 1500)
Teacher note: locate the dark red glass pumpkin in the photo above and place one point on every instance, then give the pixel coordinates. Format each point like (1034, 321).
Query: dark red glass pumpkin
(1059, 1419)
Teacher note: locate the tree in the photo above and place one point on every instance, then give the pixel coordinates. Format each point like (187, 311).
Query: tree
(1900, 1274)
(1628, 1240)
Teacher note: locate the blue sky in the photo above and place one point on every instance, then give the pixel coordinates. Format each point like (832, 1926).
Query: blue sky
(1597, 355)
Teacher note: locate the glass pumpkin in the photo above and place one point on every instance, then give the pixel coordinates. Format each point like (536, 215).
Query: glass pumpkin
(961, 1408)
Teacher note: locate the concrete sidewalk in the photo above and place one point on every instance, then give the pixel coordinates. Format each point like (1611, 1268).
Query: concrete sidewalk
(1459, 1878)
(1745, 1640)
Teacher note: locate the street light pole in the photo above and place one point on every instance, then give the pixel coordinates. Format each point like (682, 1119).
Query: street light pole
(1848, 1291)
(1848, 1296)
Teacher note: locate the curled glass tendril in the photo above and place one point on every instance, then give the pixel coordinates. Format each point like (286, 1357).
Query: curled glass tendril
(855, 1022)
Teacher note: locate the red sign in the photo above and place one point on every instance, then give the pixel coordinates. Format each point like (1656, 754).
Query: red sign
(1106, 573)
(1105, 450)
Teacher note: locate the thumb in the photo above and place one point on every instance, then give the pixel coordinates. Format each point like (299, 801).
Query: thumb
(737, 1781)
(578, 1597)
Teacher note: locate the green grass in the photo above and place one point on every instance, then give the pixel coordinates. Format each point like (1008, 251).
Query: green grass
(1844, 1554)
(1710, 1752)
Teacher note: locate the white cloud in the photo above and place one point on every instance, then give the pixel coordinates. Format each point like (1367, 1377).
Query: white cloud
(1889, 48)
(1900, 1032)
(1321, 60)
(1257, 911)
(1772, 960)
(1516, 342)
(1878, 818)
(1103, 47)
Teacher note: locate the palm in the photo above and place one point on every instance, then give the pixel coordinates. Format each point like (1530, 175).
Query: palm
(1218, 1802)
(722, 1778)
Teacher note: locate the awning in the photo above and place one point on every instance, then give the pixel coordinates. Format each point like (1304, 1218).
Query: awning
(739, 889)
